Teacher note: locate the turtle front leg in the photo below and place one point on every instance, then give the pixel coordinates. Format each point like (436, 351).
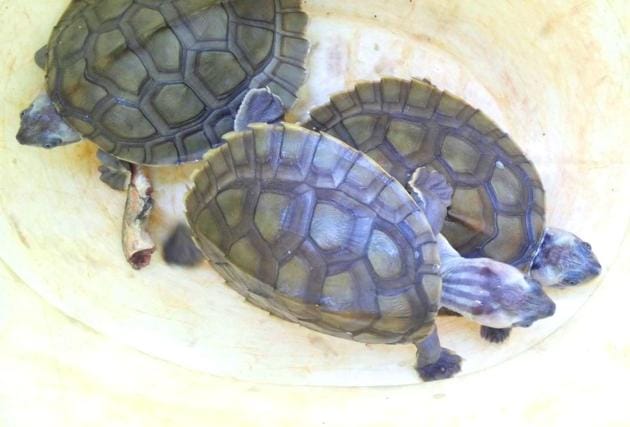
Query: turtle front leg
(114, 172)
(434, 361)
(495, 335)
(432, 193)
(259, 106)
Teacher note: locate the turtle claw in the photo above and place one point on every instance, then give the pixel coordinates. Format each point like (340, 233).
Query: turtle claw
(446, 366)
(180, 249)
(494, 335)
(114, 172)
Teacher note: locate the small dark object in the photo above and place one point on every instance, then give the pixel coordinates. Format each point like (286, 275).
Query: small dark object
(180, 249)
(495, 335)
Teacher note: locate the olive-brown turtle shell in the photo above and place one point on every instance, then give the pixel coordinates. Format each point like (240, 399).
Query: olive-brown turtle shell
(313, 231)
(498, 205)
(159, 82)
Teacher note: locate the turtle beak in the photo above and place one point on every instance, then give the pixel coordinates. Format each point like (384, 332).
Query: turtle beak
(548, 311)
(597, 269)
(594, 267)
(524, 323)
(20, 137)
(551, 310)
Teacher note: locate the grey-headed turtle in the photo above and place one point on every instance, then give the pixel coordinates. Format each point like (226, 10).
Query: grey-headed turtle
(317, 233)
(498, 204)
(159, 82)
(494, 294)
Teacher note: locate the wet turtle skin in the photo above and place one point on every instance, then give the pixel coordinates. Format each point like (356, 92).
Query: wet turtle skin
(498, 205)
(159, 81)
(315, 232)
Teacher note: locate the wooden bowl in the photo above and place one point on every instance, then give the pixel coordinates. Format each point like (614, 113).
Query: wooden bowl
(555, 76)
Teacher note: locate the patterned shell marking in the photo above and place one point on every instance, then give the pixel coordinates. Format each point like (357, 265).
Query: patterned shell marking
(159, 82)
(498, 205)
(315, 232)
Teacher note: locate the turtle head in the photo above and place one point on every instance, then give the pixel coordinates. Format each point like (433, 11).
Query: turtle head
(532, 303)
(493, 294)
(519, 299)
(564, 260)
(42, 126)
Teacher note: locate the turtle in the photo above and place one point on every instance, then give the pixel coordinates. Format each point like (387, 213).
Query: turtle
(493, 294)
(159, 82)
(317, 233)
(498, 204)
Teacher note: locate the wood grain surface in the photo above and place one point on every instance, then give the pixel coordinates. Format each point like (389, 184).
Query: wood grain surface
(86, 340)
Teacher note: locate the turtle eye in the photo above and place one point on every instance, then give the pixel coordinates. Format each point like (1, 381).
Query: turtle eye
(587, 246)
(22, 114)
(52, 142)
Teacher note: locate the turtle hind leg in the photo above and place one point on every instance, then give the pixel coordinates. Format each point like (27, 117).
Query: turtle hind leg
(434, 361)
(114, 172)
(180, 249)
(494, 335)
(41, 57)
(433, 193)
